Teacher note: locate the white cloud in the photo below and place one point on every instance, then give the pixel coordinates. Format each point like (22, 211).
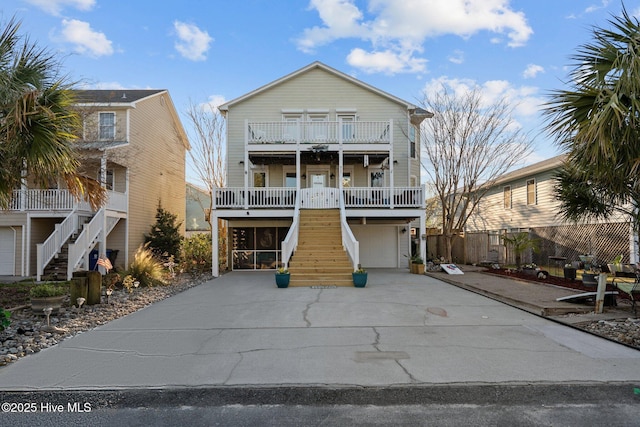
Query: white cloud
(85, 39)
(386, 61)
(193, 43)
(102, 85)
(457, 57)
(532, 70)
(213, 103)
(54, 7)
(595, 7)
(399, 29)
(525, 99)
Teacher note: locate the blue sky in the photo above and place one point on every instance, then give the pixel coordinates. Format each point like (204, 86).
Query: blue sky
(211, 50)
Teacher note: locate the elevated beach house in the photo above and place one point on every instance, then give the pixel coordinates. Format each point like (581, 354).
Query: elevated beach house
(323, 176)
(134, 144)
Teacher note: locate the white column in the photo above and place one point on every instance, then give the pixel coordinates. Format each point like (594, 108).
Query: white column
(103, 232)
(215, 268)
(633, 245)
(423, 235)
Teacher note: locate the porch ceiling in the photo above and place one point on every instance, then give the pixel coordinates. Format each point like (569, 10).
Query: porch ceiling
(311, 158)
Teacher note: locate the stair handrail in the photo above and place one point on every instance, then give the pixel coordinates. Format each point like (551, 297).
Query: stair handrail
(85, 241)
(349, 242)
(48, 249)
(290, 242)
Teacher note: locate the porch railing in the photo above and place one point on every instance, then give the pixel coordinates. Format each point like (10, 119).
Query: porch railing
(319, 198)
(46, 251)
(290, 242)
(352, 132)
(85, 241)
(349, 242)
(354, 197)
(60, 200)
(263, 197)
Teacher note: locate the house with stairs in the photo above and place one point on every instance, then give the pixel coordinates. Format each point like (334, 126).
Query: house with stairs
(133, 143)
(323, 177)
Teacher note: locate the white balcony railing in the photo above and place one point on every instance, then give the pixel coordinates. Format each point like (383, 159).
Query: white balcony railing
(358, 132)
(349, 242)
(60, 200)
(354, 197)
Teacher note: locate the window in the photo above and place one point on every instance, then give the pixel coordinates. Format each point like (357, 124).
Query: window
(377, 178)
(290, 179)
(531, 192)
(348, 128)
(507, 197)
(291, 127)
(412, 142)
(259, 179)
(317, 128)
(107, 125)
(346, 179)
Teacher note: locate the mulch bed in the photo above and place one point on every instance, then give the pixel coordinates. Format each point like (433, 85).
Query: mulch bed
(550, 280)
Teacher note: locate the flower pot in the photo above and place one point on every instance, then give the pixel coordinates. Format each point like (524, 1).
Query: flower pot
(569, 273)
(40, 303)
(282, 280)
(590, 279)
(417, 268)
(359, 279)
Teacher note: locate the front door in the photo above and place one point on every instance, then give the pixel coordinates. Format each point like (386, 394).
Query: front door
(318, 180)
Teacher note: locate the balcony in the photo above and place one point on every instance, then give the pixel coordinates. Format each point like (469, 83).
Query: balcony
(329, 132)
(285, 197)
(57, 200)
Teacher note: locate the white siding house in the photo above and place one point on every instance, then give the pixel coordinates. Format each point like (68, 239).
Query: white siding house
(524, 200)
(318, 138)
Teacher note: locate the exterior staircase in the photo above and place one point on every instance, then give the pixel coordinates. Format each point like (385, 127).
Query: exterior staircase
(320, 259)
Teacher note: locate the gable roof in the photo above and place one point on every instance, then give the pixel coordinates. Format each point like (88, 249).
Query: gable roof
(129, 98)
(527, 171)
(319, 65)
(114, 96)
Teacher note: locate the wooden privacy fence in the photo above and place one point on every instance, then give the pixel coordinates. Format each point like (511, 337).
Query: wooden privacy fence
(604, 241)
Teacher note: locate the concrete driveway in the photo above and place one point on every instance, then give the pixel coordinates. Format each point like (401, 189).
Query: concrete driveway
(400, 330)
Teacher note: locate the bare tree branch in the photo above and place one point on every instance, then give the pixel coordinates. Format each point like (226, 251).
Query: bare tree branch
(468, 145)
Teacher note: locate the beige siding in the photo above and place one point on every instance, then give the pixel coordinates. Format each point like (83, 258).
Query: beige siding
(492, 215)
(156, 162)
(315, 90)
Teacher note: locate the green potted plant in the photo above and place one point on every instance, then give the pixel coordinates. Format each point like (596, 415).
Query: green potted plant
(417, 265)
(283, 277)
(359, 278)
(47, 295)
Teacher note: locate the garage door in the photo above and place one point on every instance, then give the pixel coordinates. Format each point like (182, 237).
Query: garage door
(7, 246)
(378, 245)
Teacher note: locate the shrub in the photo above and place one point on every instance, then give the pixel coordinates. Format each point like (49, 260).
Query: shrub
(146, 268)
(164, 238)
(47, 290)
(4, 318)
(196, 254)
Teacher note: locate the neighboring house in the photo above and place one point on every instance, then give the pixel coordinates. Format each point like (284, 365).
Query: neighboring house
(198, 204)
(134, 144)
(524, 200)
(319, 141)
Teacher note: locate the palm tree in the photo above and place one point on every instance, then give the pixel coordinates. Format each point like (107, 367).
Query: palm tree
(519, 243)
(597, 121)
(38, 124)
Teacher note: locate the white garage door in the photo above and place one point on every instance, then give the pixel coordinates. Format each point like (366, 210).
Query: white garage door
(378, 245)
(7, 245)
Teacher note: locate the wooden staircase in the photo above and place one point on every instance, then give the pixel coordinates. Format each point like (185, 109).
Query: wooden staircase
(320, 259)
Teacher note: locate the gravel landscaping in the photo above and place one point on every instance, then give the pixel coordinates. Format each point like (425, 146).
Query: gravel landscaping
(28, 334)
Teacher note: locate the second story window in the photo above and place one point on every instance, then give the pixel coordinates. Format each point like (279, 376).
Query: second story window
(412, 142)
(107, 125)
(531, 192)
(507, 196)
